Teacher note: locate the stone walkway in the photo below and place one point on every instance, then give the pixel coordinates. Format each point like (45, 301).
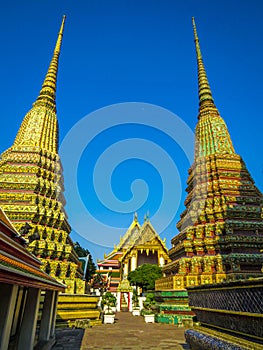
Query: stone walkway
(127, 333)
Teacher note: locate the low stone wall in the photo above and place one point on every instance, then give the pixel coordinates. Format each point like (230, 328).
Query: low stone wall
(234, 309)
(174, 308)
(202, 339)
(74, 309)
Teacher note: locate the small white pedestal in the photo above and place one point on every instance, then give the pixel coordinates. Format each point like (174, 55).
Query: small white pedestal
(136, 312)
(108, 318)
(149, 318)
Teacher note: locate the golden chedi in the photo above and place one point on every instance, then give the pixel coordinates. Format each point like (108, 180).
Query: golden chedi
(221, 230)
(31, 185)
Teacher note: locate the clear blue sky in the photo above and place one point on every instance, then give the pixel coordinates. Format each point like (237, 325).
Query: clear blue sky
(141, 51)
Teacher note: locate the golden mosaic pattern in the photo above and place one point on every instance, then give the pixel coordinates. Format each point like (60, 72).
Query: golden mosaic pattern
(221, 230)
(31, 185)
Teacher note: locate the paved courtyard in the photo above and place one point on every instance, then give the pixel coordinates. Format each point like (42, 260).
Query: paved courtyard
(127, 333)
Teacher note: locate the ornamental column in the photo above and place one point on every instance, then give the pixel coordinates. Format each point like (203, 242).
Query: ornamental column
(8, 294)
(133, 262)
(161, 260)
(47, 315)
(125, 269)
(29, 322)
(54, 315)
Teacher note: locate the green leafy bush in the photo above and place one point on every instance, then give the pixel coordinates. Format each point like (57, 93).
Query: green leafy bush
(108, 300)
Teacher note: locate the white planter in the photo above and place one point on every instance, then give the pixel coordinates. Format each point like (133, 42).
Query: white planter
(149, 318)
(136, 312)
(109, 318)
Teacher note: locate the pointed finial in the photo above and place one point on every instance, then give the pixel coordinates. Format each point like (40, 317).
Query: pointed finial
(204, 91)
(147, 216)
(135, 217)
(47, 94)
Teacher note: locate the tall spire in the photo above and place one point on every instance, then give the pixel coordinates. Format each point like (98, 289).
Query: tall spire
(47, 94)
(211, 134)
(31, 185)
(40, 127)
(219, 229)
(204, 91)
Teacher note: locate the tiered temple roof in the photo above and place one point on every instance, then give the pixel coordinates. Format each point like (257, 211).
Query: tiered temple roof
(130, 236)
(31, 185)
(139, 245)
(147, 240)
(221, 229)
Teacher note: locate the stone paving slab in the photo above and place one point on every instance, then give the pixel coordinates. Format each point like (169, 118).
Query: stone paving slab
(127, 333)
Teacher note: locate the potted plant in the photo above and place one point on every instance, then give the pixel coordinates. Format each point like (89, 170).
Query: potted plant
(108, 301)
(149, 306)
(135, 303)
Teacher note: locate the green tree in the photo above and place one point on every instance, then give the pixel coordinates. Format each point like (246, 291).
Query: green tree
(145, 276)
(84, 253)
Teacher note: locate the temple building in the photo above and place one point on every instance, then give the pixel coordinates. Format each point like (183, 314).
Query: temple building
(140, 245)
(31, 185)
(21, 285)
(221, 230)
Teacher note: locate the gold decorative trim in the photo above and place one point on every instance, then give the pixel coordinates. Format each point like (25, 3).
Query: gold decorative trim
(240, 313)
